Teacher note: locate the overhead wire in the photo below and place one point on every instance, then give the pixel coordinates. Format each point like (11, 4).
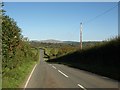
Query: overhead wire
(89, 21)
(100, 15)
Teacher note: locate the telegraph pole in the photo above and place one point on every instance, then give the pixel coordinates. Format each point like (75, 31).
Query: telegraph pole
(81, 35)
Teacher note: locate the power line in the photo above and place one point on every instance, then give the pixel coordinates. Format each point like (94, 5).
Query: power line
(96, 18)
(100, 14)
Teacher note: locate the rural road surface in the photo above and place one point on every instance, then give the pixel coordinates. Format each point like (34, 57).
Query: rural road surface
(45, 75)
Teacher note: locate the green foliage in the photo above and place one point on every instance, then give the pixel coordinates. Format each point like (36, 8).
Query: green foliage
(54, 50)
(16, 52)
(101, 59)
(0, 45)
(15, 77)
(14, 48)
(59, 51)
(10, 40)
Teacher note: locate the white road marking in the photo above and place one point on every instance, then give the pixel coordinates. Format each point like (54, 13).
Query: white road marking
(81, 87)
(30, 77)
(54, 67)
(105, 77)
(63, 73)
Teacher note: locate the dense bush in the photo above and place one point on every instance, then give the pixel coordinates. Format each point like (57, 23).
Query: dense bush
(15, 49)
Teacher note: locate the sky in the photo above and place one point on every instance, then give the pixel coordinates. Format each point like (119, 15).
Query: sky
(61, 0)
(61, 20)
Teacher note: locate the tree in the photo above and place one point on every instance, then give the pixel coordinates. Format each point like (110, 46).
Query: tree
(10, 38)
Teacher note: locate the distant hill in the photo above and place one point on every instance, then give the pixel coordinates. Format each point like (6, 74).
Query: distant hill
(66, 42)
(51, 41)
(71, 43)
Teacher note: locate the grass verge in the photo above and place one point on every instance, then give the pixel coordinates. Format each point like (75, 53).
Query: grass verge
(14, 78)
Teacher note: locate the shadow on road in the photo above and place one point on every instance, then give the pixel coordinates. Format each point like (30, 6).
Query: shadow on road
(92, 62)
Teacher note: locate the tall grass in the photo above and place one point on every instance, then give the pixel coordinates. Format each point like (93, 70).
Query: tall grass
(15, 77)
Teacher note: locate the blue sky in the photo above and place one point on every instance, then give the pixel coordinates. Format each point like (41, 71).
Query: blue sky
(61, 20)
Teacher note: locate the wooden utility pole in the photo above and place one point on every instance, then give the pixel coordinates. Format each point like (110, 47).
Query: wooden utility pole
(81, 35)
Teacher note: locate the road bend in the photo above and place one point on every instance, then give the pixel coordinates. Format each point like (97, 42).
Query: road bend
(45, 75)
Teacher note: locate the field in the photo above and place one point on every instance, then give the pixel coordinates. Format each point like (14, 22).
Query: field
(55, 50)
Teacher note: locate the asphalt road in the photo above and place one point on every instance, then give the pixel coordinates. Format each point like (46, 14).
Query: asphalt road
(45, 75)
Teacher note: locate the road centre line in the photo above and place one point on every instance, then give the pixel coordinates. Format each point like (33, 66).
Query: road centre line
(54, 67)
(81, 87)
(62, 73)
(29, 77)
(67, 77)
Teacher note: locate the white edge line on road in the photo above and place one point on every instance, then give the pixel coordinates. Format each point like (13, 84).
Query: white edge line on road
(81, 87)
(54, 67)
(30, 77)
(63, 73)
